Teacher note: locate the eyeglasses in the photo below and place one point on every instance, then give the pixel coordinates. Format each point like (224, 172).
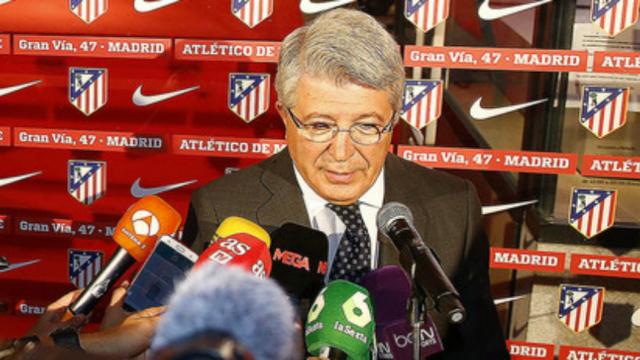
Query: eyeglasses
(321, 131)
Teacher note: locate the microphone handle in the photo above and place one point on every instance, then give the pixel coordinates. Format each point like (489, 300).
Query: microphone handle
(119, 263)
(331, 353)
(429, 274)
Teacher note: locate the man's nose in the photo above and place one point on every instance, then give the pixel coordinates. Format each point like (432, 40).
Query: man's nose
(342, 147)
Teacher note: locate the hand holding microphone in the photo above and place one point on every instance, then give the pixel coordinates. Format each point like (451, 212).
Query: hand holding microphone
(136, 233)
(340, 323)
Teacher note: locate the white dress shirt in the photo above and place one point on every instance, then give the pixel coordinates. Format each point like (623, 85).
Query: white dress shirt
(324, 219)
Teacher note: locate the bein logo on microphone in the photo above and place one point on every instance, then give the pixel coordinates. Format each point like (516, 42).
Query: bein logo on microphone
(427, 338)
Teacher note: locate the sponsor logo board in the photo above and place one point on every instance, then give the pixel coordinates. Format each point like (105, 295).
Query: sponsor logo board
(610, 166)
(91, 46)
(5, 44)
(86, 140)
(577, 352)
(491, 160)
(605, 265)
(245, 148)
(5, 136)
(496, 58)
(502, 258)
(522, 350)
(227, 50)
(63, 228)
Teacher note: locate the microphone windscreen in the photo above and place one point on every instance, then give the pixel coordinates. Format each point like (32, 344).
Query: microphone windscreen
(392, 211)
(235, 225)
(143, 223)
(341, 317)
(214, 298)
(241, 250)
(390, 289)
(299, 257)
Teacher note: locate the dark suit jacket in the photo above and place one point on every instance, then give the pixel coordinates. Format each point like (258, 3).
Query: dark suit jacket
(446, 212)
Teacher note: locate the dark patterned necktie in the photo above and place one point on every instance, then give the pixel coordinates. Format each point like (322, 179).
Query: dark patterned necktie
(353, 258)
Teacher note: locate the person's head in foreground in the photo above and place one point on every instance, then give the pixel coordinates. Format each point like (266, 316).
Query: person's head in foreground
(339, 83)
(226, 313)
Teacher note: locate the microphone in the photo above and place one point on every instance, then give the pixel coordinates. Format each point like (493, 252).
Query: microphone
(241, 250)
(235, 225)
(136, 233)
(396, 222)
(340, 323)
(299, 257)
(229, 307)
(390, 289)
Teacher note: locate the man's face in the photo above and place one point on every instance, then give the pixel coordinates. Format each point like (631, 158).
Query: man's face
(338, 170)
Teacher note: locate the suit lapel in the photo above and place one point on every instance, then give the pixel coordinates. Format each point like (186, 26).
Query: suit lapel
(285, 203)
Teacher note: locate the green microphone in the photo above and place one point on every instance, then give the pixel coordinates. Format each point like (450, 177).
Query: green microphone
(340, 324)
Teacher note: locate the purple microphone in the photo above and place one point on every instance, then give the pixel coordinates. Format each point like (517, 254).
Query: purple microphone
(390, 289)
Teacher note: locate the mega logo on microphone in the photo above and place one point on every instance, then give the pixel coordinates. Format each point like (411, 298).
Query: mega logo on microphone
(84, 265)
(341, 317)
(143, 223)
(88, 89)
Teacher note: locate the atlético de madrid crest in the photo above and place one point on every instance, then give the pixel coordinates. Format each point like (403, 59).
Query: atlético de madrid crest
(84, 265)
(252, 12)
(421, 102)
(580, 306)
(614, 16)
(604, 109)
(87, 180)
(249, 94)
(426, 14)
(88, 89)
(88, 10)
(592, 211)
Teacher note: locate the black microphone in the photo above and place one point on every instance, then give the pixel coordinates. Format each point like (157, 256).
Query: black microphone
(396, 222)
(299, 257)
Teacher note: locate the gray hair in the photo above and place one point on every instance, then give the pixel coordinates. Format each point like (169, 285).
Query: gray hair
(346, 46)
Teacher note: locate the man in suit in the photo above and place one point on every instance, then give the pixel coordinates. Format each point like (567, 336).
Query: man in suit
(340, 83)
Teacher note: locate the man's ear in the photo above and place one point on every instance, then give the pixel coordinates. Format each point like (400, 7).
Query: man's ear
(283, 114)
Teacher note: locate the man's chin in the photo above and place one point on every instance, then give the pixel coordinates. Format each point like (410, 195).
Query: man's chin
(341, 194)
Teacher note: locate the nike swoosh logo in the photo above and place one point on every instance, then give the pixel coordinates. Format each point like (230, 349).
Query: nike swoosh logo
(492, 209)
(509, 299)
(2, 2)
(139, 192)
(11, 89)
(11, 180)
(479, 113)
(145, 100)
(485, 12)
(144, 6)
(310, 7)
(19, 265)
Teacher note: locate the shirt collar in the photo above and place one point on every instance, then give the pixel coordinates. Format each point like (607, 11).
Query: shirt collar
(315, 203)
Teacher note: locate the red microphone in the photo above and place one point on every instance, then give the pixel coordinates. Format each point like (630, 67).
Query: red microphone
(243, 250)
(137, 232)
